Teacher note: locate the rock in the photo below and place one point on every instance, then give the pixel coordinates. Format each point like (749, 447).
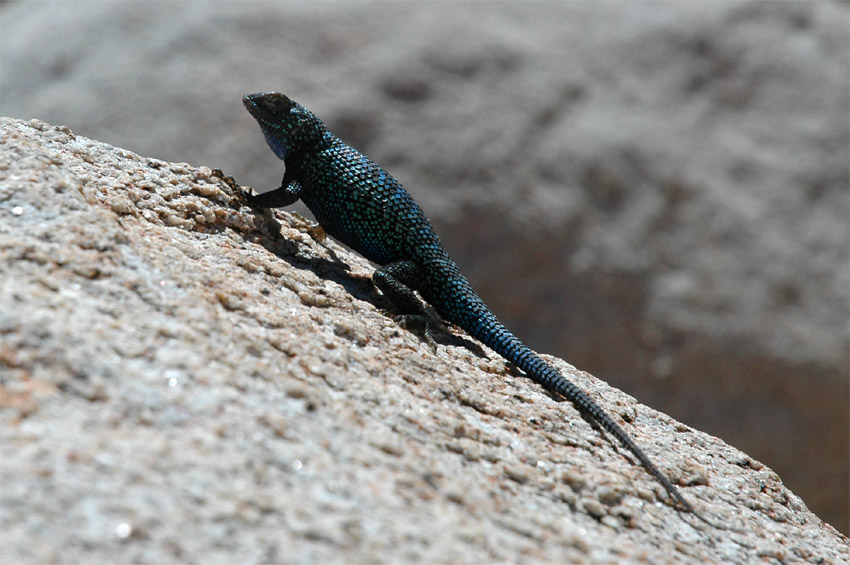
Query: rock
(666, 185)
(167, 395)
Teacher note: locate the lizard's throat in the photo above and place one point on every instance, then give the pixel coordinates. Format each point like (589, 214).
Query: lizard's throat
(277, 145)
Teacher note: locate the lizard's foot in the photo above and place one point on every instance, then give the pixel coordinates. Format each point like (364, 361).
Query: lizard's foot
(419, 324)
(247, 196)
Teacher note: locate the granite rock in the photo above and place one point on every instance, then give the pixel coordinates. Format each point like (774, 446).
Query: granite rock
(665, 184)
(187, 379)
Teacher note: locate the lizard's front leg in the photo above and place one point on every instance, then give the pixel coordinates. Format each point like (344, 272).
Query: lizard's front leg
(287, 193)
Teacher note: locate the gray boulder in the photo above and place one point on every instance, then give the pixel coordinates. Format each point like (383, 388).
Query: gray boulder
(657, 192)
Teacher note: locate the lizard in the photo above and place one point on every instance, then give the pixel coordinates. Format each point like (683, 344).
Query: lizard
(363, 206)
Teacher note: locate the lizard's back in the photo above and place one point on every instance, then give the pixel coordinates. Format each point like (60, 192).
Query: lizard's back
(362, 205)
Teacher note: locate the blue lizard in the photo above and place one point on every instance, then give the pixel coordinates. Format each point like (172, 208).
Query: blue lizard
(363, 206)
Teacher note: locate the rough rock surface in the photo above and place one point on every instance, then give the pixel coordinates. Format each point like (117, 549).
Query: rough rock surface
(184, 378)
(668, 179)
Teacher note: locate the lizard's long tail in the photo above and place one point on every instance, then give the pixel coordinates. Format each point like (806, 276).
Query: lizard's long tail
(491, 332)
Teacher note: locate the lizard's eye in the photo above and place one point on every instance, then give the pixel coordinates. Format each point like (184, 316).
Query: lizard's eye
(278, 103)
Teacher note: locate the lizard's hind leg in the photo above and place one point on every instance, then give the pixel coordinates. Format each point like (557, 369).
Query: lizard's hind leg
(397, 281)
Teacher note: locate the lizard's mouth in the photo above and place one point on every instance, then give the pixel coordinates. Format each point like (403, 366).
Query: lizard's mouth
(250, 102)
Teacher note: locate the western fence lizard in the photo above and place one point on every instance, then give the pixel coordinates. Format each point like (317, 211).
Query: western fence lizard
(364, 207)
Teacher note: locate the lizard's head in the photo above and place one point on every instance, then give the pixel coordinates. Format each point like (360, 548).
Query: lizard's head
(289, 127)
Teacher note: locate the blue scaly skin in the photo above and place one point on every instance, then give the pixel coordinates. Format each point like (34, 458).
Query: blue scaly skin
(363, 206)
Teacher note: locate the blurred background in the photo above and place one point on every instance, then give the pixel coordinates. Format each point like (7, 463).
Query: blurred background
(655, 191)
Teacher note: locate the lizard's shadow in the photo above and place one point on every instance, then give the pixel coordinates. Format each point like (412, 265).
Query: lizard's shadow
(337, 270)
